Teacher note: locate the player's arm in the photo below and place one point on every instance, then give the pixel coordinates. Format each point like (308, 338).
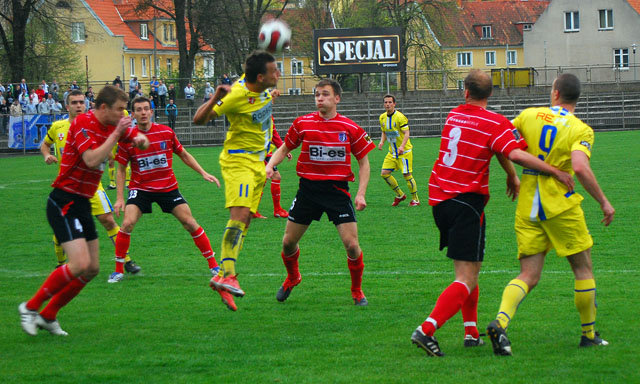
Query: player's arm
(364, 173)
(277, 158)
(383, 138)
(45, 149)
(527, 160)
(205, 112)
(121, 174)
(586, 177)
(513, 182)
(404, 141)
(192, 163)
(94, 157)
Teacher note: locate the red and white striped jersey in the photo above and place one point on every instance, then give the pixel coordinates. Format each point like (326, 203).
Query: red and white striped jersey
(327, 146)
(85, 133)
(470, 137)
(151, 169)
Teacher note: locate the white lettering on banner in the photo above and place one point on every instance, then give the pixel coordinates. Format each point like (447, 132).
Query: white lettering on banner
(322, 153)
(153, 162)
(358, 50)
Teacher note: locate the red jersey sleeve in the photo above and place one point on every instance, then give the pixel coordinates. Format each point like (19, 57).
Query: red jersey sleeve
(123, 154)
(361, 143)
(81, 139)
(504, 139)
(128, 135)
(293, 138)
(276, 139)
(177, 146)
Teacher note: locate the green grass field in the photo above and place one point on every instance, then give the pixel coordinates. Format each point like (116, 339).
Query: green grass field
(166, 325)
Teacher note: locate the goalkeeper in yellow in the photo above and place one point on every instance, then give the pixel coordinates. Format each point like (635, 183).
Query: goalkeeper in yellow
(548, 216)
(101, 207)
(395, 130)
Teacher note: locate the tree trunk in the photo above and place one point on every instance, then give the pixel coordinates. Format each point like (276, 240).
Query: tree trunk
(185, 66)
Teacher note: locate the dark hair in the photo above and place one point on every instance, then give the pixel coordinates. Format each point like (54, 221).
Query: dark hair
(478, 84)
(256, 64)
(391, 96)
(75, 92)
(568, 87)
(109, 95)
(139, 100)
(337, 89)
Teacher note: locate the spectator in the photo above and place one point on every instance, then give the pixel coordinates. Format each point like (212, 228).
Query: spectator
(32, 107)
(4, 117)
(162, 94)
(64, 96)
(16, 109)
(54, 88)
(56, 107)
(153, 91)
(24, 98)
(117, 82)
(45, 87)
(2, 89)
(189, 94)
(133, 87)
(17, 90)
(225, 79)
(171, 110)
(208, 92)
(74, 85)
(40, 92)
(171, 93)
(24, 86)
(43, 108)
(90, 98)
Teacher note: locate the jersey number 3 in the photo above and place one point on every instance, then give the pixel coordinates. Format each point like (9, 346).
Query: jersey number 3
(454, 138)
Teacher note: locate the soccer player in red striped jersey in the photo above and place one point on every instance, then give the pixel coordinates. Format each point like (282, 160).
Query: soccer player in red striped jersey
(89, 141)
(459, 191)
(327, 141)
(153, 180)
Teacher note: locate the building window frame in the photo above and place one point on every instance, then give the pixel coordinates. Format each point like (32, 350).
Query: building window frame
(77, 32)
(487, 32)
(605, 19)
(297, 67)
(144, 31)
(490, 58)
(621, 58)
(208, 67)
(572, 21)
(280, 66)
(460, 84)
(512, 57)
(143, 64)
(465, 59)
(294, 91)
(132, 66)
(169, 66)
(527, 27)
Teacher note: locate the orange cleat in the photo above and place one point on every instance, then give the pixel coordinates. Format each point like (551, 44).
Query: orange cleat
(397, 200)
(280, 213)
(258, 215)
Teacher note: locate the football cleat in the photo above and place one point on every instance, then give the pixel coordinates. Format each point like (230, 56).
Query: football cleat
(131, 267)
(428, 343)
(359, 299)
(470, 341)
(110, 187)
(414, 203)
(115, 277)
(397, 200)
(597, 340)
(28, 319)
(50, 325)
(258, 215)
(215, 271)
(499, 340)
(280, 213)
(230, 284)
(226, 297)
(287, 286)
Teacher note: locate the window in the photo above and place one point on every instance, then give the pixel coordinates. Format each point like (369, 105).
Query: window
(527, 27)
(169, 66)
(132, 66)
(460, 84)
(490, 57)
(572, 21)
(512, 57)
(77, 32)
(208, 67)
(296, 67)
(464, 59)
(621, 58)
(143, 61)
(606, 18)
(280, 67)
(486, 32)
(294, 91)
(165, 30)
(144, 31)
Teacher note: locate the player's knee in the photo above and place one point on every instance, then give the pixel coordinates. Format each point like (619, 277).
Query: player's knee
(107, 221)
(127, 226)
(288, 245)
(191, 225)
(353, 248)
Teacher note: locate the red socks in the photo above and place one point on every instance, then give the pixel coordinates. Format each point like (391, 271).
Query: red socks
(123, 240)
(291, 263)
(470, 313)
(203, 244)
(56, 281)
(62, 298)
(356, 267)
(448, 304)
(275, 194)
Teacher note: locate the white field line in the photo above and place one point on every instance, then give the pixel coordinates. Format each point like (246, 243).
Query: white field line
(4, 186)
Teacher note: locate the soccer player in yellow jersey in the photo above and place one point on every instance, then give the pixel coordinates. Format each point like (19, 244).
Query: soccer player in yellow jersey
(101, 207)
(248, 107)
(112, 165)
(547, 216)
(395, 130)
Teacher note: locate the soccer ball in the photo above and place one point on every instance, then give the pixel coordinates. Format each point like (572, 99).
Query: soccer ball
(275, 35)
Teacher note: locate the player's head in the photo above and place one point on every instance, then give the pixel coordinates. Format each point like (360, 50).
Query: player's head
(141, 110)
(75, 103)
(110, 105)
(477, 85)
(565, 89)
(260, 69)
(328, 93)
(389, 103)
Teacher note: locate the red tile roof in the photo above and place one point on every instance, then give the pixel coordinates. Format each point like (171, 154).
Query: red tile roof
(120, 17)
(635, 4)
(462, 27)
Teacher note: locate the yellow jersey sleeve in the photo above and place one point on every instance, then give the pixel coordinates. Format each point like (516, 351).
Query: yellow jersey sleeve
(57, 135)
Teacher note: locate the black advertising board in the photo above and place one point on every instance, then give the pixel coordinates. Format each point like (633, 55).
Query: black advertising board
(357, 50)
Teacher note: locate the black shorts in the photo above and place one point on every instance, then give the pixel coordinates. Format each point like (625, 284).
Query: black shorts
(166, 200)
(462, 225)
(315, 197)
(70, 216)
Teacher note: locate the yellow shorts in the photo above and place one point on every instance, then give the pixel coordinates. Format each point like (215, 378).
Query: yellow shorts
(566, 232)
(403, 163)
(243, 182)
(100, 203)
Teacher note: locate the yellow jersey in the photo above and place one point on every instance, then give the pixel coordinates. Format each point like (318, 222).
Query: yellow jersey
(551, 133)
(251, 125)
(57, 136)
(395, 127)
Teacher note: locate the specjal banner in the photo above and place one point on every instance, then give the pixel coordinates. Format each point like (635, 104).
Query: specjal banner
(358, 50)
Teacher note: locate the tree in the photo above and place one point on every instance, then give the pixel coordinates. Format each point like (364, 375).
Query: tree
(14, 17)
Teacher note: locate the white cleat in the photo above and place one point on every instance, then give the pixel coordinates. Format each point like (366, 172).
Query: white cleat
(28, 319)
(115, 277)
(52, 326)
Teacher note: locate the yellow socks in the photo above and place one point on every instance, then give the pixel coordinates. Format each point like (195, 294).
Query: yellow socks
(231, 244)
(585, 300)
(512, 296)
(413, 188)
(393, 184)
